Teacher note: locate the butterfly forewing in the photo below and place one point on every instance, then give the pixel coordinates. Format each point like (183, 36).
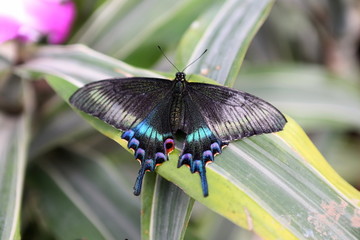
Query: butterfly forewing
(122, 103)
(233, 114)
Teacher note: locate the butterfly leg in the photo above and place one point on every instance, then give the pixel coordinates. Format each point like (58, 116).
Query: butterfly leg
(150, 149)
(200, 148)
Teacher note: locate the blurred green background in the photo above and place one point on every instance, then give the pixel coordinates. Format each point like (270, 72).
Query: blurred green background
(305, 60)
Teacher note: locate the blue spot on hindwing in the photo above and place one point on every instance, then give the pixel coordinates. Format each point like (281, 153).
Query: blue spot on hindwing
(128, 135)
(202, 133)
(208, 156)
(160, 157)
(140, 154)
(185, 159)
(190, 137)
(215, 148)
(145, 129)
(133, 143)
(198, 134)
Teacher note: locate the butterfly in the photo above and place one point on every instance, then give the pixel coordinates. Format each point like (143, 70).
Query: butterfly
(152, 111)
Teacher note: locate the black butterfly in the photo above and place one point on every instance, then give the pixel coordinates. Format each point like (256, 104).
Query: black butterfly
(151, 111)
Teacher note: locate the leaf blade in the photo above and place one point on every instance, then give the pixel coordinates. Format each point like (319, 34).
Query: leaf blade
(14, 134)
(102, 30)
(246, 204)
(84, 189)
(168, 218)
(228, 37)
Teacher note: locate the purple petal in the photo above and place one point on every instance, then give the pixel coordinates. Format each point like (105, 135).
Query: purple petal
(8, 28)
(52, 18)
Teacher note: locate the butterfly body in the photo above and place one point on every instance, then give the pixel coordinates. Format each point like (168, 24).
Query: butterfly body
(152, 111)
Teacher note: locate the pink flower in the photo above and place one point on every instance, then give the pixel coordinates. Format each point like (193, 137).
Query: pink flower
(29, 20)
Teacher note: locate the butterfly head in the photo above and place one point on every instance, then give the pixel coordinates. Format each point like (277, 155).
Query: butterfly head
(180, 76)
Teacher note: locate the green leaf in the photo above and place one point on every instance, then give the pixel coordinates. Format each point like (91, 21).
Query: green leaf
(147, 197)
(170, 211)
(109, 31)
(277, 185)
(5, 64)
(196, 30)
(62, 125)
(88, 194)
(311, 94)
(227, 38)
(14, 133)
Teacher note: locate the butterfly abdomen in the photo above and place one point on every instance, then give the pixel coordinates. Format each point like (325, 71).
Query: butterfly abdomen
(177, 107)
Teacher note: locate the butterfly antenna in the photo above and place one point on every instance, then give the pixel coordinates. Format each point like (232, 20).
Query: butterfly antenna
(168, 59)
(194, 60)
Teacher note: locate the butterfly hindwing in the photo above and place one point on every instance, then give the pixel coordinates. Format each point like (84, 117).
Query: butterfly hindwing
(201, 144)
(122, 103)
(140, 108)
(233, 114)
(151, 141)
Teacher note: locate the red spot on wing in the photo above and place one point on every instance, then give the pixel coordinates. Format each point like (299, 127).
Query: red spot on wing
(169, 145)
